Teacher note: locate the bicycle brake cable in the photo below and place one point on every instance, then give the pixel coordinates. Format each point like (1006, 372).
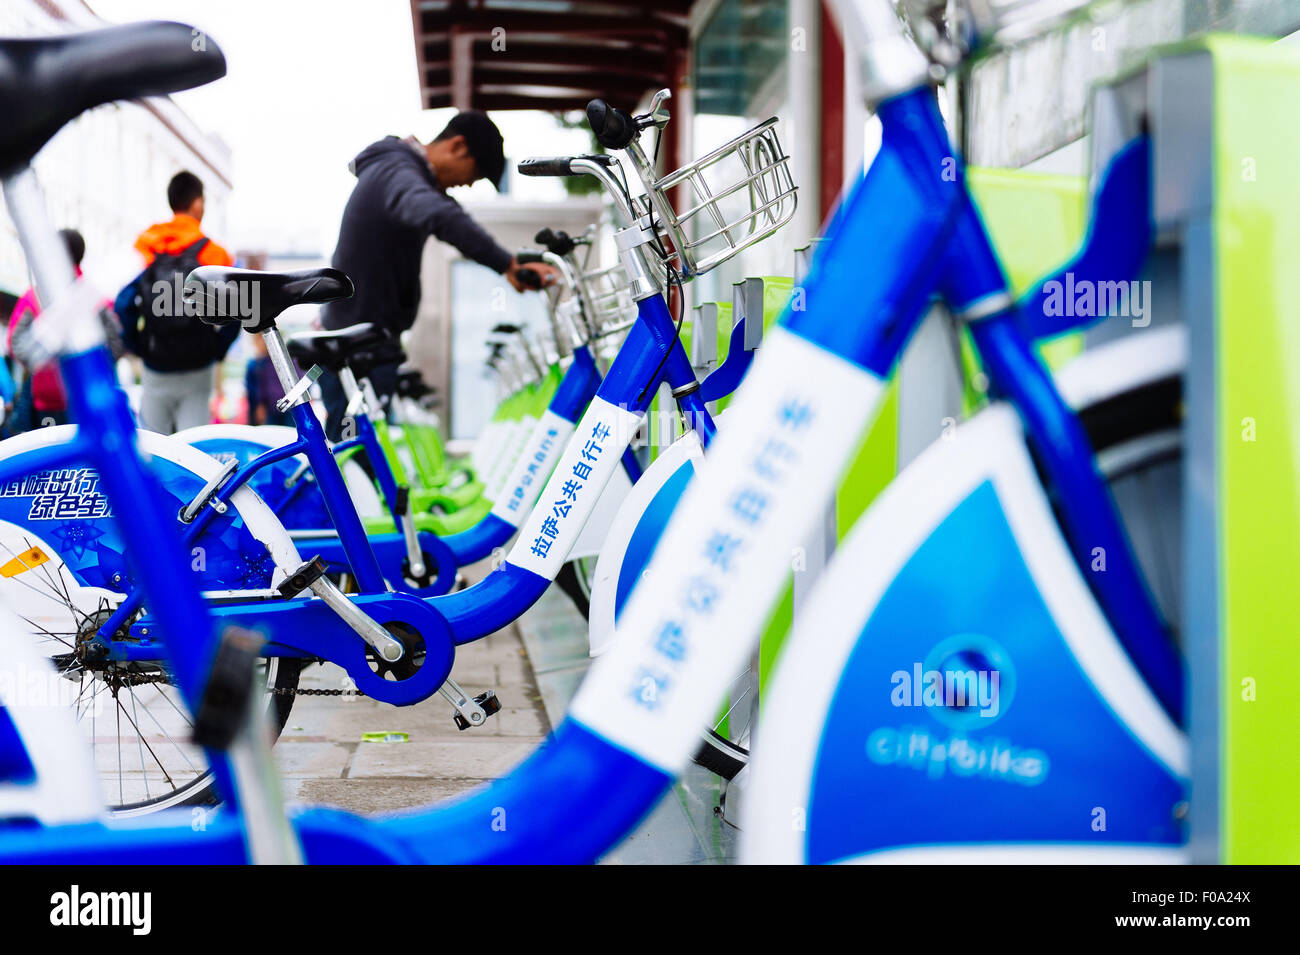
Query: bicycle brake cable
(674, 278)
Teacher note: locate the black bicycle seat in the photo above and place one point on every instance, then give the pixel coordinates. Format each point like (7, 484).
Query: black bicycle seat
(411, 384)
(335, 348)
(221, 294)
(47, 81)
(387, 352)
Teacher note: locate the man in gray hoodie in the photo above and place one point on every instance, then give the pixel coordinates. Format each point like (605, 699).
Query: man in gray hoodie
(400, 199)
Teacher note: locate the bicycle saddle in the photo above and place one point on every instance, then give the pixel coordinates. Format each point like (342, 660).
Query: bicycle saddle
(411, 384)
(47, 81)
(359, 347)
(221, 295)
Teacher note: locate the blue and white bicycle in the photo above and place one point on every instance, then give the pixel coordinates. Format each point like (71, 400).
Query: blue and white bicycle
(71, 578)
(848, 780)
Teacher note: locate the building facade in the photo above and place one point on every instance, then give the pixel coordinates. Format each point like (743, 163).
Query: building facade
(106, 173)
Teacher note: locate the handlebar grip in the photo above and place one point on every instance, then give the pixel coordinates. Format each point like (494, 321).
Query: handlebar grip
(528, 257)
(529, 278)
(557, 243)
(613, 128)
(541, 166)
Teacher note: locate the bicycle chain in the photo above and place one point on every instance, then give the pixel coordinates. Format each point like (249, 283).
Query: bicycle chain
(300, 691)
(137, 679)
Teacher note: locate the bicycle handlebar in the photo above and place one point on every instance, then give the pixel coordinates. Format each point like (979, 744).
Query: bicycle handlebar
(560, 165)
(553, 166)
(557, 243)
(530, 277)
(613, 128)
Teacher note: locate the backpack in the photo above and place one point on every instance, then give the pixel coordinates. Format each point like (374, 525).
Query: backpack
(171, 337)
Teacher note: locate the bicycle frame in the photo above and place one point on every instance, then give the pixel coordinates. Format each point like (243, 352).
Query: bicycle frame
(331, 638)
(652, 353)
(797, 415)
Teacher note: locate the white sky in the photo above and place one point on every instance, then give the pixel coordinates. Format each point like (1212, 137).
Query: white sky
(310, 83)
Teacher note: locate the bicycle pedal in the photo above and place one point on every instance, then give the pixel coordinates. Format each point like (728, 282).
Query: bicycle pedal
(487, 701)
(302, 578)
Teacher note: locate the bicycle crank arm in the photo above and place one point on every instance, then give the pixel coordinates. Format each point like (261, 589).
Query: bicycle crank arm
(309, 627)
(379, 639)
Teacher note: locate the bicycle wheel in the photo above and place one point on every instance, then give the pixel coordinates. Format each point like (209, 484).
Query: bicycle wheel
(131, 714)
(724, 750)
(1137, 438)
(574, 579)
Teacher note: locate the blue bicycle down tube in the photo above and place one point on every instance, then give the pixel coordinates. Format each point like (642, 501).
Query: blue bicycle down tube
(327, 837)
(151, 538)
(342, 512)
(1087, 510)
(651, 350)
(576, 389)
(152, 543)
(572, 800)
(879, 265)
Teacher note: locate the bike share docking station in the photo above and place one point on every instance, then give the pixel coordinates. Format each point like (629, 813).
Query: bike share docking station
(1222, 201)
(1209, 314)
(1213, 310)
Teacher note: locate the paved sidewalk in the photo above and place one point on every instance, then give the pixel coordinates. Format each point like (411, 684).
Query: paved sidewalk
(686, 827)
(324, 760)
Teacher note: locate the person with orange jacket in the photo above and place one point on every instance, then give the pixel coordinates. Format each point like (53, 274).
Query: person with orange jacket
(179, 351)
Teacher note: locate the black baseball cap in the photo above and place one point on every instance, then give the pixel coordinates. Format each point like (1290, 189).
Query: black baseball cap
(484, 141)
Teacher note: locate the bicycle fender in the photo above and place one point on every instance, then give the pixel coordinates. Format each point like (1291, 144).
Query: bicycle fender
(67, 519)
(960, 570)
(635, 530)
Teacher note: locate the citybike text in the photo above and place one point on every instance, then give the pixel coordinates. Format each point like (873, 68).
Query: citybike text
(914, 747)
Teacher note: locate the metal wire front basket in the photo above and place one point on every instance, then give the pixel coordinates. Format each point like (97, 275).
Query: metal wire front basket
(737, 195)
(609, 295)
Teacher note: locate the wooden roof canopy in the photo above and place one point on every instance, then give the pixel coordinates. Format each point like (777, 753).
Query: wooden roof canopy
(545, 54)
